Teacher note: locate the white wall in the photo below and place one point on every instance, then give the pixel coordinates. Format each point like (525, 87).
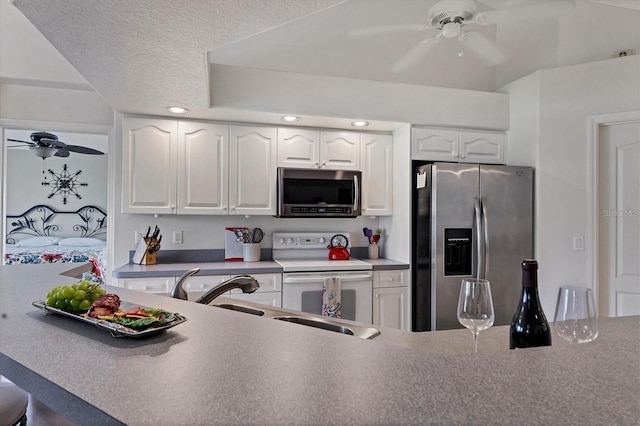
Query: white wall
(24, 174)
(398, 227)
(550, 132)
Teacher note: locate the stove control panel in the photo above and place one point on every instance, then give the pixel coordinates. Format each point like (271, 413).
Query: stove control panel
(304, 240)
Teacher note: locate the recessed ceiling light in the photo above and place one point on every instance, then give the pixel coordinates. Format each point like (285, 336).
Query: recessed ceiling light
(177, 110)
(360, 123)
(290, 118)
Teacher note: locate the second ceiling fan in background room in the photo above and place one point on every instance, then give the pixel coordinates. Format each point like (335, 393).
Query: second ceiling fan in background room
(45, 145)
(451, 19)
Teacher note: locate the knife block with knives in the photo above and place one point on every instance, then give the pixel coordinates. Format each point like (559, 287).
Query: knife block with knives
(148, 248)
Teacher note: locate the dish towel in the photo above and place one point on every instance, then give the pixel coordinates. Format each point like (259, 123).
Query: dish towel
(331, 298)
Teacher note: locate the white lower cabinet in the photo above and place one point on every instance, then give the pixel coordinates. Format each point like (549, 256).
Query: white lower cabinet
(197, 286)
(156, 285)
(269, 292)
(391, 299)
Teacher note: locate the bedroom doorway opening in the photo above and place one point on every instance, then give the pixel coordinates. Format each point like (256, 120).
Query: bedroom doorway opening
(48, 199)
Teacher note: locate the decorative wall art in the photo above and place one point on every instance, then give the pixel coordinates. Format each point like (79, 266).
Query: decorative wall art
(64, 184)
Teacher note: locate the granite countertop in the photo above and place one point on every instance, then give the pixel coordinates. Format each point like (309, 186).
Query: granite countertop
(132, 270)
(226, 367)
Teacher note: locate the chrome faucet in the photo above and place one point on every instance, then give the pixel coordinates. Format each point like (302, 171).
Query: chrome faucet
(246, 283)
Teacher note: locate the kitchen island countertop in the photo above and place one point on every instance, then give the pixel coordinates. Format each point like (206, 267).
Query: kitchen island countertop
(225, 367)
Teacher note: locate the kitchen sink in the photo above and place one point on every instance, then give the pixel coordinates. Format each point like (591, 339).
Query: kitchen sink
(309, 320)
(239, 308)
(325, 325)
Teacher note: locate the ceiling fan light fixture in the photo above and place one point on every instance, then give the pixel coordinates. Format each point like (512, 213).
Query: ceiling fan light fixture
(44, 151)
(177, 110)
(451, 29)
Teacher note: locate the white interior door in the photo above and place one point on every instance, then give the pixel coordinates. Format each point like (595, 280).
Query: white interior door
(619, 219)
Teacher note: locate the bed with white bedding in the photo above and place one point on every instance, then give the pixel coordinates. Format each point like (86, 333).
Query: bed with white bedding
(43, 234)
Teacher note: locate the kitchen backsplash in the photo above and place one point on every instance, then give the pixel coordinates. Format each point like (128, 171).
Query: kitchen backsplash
(207, 233)
(217, 255)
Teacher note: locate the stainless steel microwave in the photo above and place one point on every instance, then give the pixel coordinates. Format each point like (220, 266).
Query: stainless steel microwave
(318, 193)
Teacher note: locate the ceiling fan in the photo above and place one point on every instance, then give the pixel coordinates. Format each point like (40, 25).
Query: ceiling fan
(456, 18)
(45, 145)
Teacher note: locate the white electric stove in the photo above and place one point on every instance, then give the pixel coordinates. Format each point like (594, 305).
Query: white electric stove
(304, 258)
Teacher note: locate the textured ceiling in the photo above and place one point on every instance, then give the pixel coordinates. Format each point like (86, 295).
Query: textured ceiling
(144, 55)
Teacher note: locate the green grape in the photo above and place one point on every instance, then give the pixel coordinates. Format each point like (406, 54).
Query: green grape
(76, 297)
(75, 304)
(68, 292)
(84, 305)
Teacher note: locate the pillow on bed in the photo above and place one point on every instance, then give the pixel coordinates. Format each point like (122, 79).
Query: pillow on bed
(38, 242)
(81, 242)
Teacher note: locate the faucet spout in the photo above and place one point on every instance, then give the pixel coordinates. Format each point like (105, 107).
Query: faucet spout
(246, 283)
(177, 292)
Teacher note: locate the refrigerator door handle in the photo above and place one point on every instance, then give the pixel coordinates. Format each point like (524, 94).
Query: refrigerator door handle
(479, 242)
(485, 240)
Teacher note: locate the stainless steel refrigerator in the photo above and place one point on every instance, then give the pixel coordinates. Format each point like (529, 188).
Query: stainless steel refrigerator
(469, 220)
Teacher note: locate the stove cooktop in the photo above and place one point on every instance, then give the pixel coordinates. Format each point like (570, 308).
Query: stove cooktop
(307, 252)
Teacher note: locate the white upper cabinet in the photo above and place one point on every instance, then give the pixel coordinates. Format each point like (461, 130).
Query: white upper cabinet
(340, 150)
(149, 165)
(252, 172)
(482, 147)
(174, 166)
(377, 174)
(434, 144)
(312, 149)
(202, 168)
(298, 148)
(458, 146)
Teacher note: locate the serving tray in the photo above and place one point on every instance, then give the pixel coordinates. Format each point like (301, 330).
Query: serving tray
(116, 330)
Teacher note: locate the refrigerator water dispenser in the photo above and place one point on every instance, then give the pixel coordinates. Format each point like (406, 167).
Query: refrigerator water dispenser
(457, 251)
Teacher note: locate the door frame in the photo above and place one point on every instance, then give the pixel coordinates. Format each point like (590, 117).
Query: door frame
(97, 129)
(593, 130)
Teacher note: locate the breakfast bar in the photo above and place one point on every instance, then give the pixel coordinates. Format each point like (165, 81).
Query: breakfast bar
(226, 367)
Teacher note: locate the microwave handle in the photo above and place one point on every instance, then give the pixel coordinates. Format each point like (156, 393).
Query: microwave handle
(356, 199)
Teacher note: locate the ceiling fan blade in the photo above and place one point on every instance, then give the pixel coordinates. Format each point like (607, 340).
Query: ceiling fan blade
(62, 153)
(515, 10)
(414, 54)
(16, 140)
(82, 150)
(488, 51)
(387, 29)
(52, 142)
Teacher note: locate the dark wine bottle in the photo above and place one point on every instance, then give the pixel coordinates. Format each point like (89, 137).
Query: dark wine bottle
(529, 326)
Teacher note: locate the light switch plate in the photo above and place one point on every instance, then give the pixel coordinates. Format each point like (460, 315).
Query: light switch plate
(578, 243)
(177, 237)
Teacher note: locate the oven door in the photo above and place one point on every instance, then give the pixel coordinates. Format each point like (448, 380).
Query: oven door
(302, 291)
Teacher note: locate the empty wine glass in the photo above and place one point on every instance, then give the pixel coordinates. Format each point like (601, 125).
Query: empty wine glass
(475, 307)
(575, 319)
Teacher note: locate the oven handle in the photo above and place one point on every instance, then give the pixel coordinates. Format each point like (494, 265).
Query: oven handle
(320, 278)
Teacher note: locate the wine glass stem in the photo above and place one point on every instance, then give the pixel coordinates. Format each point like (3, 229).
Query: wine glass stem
(475, 342)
